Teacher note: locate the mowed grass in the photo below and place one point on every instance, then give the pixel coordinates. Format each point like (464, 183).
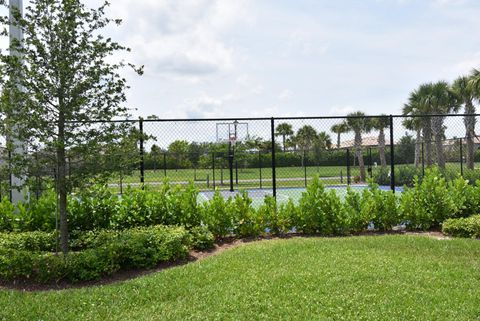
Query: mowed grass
(254, 174)
(351, 278)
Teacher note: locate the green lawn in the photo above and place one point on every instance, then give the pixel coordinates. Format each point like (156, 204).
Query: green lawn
(185, 175)
(352, 278)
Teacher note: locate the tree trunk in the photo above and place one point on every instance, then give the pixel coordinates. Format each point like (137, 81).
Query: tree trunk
(359, 154)
(338, 140)
(62, 184)
(470, 129)
(381, 148)
(437, 124)
(283, 143)
(427, 138)
(417, 149)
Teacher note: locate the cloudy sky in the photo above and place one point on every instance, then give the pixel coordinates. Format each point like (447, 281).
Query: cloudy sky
(232, 58)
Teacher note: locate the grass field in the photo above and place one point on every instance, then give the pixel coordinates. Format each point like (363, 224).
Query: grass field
(200, 175)
(351, 278)
(243, 173)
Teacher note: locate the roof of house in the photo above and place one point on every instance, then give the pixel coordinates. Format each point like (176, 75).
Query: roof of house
(370, 141)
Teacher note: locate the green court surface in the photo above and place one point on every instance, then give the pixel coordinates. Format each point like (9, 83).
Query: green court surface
(285, 194)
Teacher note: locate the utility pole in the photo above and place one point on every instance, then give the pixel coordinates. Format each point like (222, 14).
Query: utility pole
(16, 34)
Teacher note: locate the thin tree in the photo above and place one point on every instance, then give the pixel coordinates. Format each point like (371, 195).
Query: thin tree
(68, 82)
(416, 107)
(305, 138)
(440, 100)
(179, 150)
(359, 124)
(465, 94)
(285, 130)
(339, 129)
(414, 124)
(380, 124)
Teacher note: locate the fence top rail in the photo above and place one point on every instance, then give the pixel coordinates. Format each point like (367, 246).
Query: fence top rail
(264, 118)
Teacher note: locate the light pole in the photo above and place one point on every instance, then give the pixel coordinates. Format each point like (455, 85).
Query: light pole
(16, 34)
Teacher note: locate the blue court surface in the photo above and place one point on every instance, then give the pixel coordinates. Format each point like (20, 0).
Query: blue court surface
(284, 194)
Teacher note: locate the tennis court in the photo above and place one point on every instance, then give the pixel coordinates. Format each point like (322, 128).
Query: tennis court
(285, 194)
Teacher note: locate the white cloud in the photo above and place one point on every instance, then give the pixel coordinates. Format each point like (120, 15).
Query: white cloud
(181, 37)
(285, 95)
(466, 65)
(342, 110)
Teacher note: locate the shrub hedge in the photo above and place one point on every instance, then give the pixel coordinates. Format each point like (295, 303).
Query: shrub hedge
(426, 205)
(109, 233)
(462, 227)
(102, 253)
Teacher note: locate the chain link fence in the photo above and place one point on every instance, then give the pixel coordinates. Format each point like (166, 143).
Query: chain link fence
(277, 156)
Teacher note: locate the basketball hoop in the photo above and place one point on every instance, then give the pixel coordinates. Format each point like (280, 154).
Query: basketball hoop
(232, 132)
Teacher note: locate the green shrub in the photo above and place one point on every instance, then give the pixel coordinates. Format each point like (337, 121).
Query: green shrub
(356, 219)
(248, 222)
(92, 208)
(462, 227)
(320, 211)
(39, 215)
(379, 207)
(404, 175)
(29, 241)
(167, 206)
(218, 215)
(202, 238)
(276, 219)
(104, 253)
(429, 202)
(7, 215)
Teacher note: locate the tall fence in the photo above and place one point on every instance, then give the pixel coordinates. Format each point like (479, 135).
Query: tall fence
(281, 155)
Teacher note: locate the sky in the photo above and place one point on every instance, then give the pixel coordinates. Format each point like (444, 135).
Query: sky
(245, 58)
(263, 58)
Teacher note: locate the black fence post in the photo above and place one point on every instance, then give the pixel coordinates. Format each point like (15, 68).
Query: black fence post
(236, 172)
(260, 166)
(461, 157)
(423, 159)
(142, 155)
(165, 164)
(392, 157)
(213, 169)
(274, 169)
(348, 167)
(304, 168)
(370, 161)
(230, 164)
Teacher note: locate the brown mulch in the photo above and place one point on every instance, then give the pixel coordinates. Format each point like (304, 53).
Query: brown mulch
(221, 246)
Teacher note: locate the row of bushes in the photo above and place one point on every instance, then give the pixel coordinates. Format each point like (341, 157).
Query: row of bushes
(94, 255)
(463, 227)
(431, 200)
(323, 211)
(405, 175)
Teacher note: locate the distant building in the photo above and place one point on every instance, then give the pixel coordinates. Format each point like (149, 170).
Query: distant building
(371, 141)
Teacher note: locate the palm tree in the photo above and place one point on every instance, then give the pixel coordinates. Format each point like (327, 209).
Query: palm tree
(324, 140)
(465, 95)
(440, 100)
(414, 124)
(285, 130)
(380, 124)
(416, 107)
(340, 128)
(305, 138)
(359, 124)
